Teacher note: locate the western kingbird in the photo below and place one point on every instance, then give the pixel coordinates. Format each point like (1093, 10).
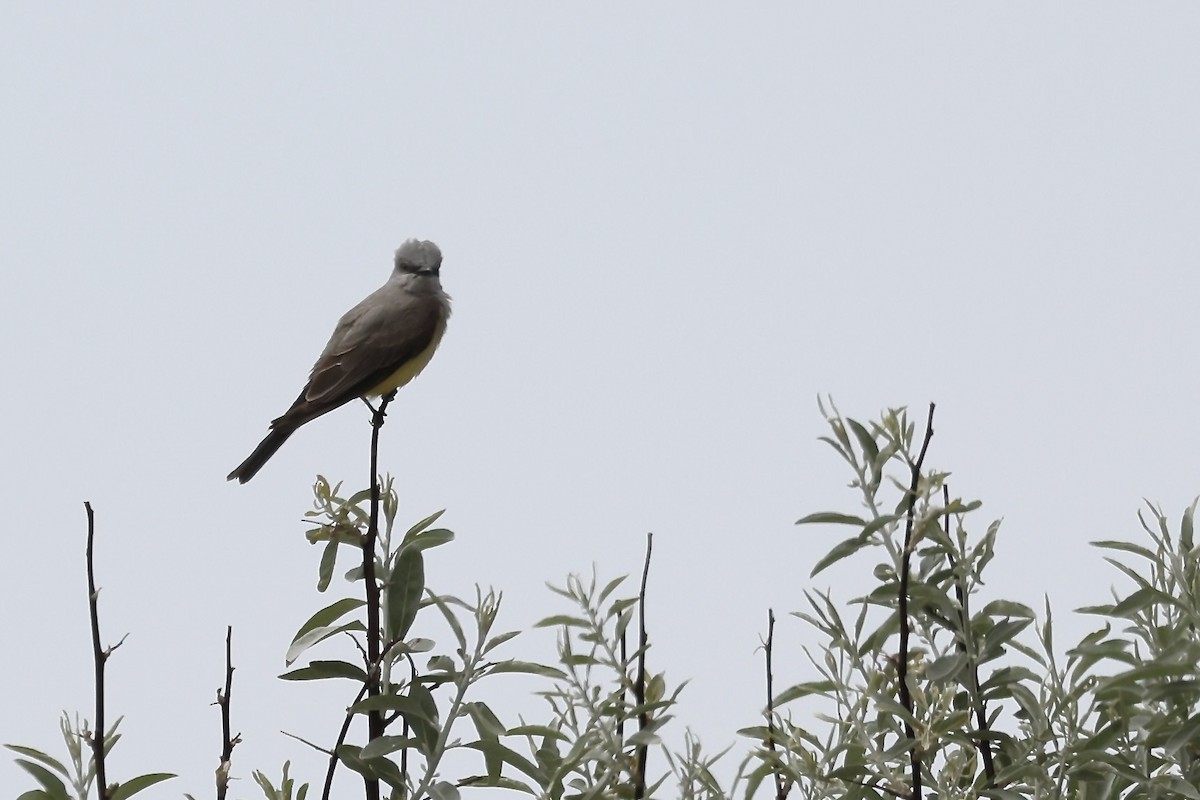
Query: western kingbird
(379, 345)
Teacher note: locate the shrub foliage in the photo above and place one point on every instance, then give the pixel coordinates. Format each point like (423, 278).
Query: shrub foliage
(919, 686)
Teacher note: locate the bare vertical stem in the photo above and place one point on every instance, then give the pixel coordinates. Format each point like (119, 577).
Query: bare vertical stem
(372, 669)
(639, 687)
(99, 657)
(375, 724)
(624, 695)
(228, 742)
(781, 784)
(905, 627)
(341, 739)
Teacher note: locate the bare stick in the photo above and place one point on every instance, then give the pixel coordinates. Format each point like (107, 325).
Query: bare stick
(228, 742)
(905, 566)
(375, 725)
(781, 785)
(372, 671)
(333, 756)
(639, 687)
(99, 657)
(624, 695)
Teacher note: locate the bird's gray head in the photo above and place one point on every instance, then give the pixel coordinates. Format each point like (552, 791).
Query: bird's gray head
(418, 257)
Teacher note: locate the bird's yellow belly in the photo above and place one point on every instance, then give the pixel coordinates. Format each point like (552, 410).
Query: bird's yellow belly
(412, 368)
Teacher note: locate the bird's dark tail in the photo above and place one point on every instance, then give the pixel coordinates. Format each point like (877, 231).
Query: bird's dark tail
(266, 448)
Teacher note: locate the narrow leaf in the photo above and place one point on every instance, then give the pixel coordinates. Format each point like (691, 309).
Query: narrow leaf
(329, 615)
(328, 564)
(409, 707)
(404, 588)
(38, 755)
(134, 785)
(946, 667)
(379, 767)
(830, 517)
(843, 549)
(428, 540)
(423, 524)
(544, 731)
(50, 783)
(494, 749)
(314, 636)
(486, 721)
(865, 441)
(561, 619)
(821, 688)
(496, 641)
(1127, 547)
(320, 670)
(526, 668)
(386, 745)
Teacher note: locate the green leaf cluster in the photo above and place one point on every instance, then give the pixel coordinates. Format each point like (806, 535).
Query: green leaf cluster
(992, 706)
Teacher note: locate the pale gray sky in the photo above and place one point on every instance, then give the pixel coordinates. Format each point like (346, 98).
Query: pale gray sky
(666, 229)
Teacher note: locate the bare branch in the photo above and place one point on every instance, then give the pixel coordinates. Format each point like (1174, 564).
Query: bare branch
(905, 626)
(99, 657)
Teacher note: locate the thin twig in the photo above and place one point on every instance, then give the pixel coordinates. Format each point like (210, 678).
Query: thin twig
(228, 742)
(375, 725)
(99, 657)
(639, 687)
(964, 610)
(302, 740)
(624, 695)
(905, 566)
(782, 785)
(333, 754)
(372, 673)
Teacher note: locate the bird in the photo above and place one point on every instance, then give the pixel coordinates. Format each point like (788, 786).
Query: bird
(378, 346)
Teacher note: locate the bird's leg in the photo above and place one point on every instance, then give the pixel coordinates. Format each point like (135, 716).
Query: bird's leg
(377, 414)
(383, 403)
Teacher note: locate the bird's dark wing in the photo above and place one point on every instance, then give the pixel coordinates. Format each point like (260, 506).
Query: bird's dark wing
(370, 343)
